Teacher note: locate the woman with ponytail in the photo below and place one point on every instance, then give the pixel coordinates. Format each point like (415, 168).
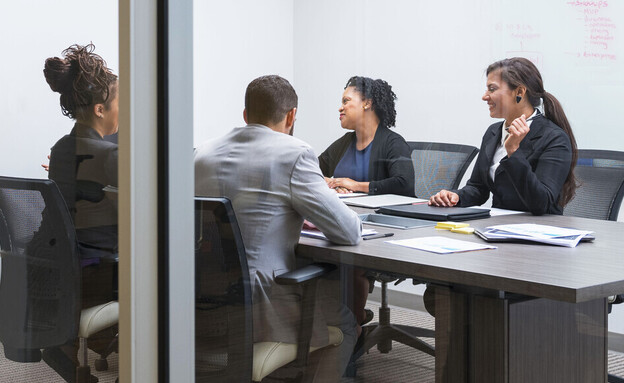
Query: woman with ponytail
(81, 164)
(527, 161)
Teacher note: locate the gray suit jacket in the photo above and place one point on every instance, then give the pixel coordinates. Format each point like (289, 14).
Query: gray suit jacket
(274, 182)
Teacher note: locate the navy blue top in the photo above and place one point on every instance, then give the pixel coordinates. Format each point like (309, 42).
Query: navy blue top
(354, 163)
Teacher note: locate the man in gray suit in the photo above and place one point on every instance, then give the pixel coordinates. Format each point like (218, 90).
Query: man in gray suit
(274, 182)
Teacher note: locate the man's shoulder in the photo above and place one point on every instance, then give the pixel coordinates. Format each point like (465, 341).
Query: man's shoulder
(257, 140)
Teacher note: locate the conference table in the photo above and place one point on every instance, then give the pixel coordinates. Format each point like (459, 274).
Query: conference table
(523, 312)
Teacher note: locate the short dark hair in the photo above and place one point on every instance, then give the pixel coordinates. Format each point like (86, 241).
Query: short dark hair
(268, 99)
(381, 95)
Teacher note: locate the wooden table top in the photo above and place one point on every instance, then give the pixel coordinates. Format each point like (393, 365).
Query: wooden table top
(588, 271)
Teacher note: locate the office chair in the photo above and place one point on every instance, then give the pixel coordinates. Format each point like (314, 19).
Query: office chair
(600, 174)
(40, 289)
(436, 166)
(224, 347)
(439, 166)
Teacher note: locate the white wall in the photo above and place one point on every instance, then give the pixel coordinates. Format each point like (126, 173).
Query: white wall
(435, 60)
(235, 42)
(33, 30)
(383, 40)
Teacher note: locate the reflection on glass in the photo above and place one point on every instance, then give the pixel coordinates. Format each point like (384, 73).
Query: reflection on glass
(59, 240)
(82, 163)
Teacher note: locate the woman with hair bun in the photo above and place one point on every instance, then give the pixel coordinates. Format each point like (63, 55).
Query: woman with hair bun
(371, 158)
(527, 161)
(81, 164)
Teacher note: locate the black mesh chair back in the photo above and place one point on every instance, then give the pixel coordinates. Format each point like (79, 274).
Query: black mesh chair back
(600, 174)
(223, 313)
(439, 166)
(40, 271)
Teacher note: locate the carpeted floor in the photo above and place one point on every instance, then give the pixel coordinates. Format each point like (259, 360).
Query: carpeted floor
(402, 364)
(15, 372)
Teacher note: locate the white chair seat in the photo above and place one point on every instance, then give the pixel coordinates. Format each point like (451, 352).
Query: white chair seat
(269, 356)
(97, 318)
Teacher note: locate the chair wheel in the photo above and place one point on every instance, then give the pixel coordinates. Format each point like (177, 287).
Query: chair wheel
(101, 365)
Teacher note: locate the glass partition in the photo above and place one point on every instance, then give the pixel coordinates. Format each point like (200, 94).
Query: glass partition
(59, 191)
(435, 59)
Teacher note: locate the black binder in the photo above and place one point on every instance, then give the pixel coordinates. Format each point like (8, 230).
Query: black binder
(424, 211)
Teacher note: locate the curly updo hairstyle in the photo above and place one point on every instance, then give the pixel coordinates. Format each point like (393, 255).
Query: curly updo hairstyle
(83, 80)
(381, 95)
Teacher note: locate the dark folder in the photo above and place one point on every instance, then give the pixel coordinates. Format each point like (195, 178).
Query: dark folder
(424, 211)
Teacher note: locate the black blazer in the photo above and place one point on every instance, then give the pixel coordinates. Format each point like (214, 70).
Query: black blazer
(81, 163)
(531, 179)
(390, 169)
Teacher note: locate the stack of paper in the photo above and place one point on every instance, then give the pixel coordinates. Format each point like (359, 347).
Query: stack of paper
(537, 233)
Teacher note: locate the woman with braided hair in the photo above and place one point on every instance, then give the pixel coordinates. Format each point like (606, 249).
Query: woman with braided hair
(371, 158)
(81, 164)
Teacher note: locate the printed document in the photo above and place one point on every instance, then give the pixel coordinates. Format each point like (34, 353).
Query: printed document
(440, 245)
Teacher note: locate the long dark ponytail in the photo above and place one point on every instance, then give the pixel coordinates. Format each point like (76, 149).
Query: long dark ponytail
(518, 71)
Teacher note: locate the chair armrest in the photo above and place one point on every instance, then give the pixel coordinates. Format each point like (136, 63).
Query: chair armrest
(304, 274)
(310, 274)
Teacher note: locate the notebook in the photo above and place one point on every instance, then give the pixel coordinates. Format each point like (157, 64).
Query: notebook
(379, 200)
(424, 211)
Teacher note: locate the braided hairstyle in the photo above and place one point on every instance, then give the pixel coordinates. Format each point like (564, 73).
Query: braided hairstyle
(83, 80)
(381, 95)
(518, 71)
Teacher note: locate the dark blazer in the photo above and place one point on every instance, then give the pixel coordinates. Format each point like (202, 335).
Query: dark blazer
(390, 169)
(81, 163)
(531, 179)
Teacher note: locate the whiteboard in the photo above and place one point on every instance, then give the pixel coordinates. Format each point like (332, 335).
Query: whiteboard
(434, 54)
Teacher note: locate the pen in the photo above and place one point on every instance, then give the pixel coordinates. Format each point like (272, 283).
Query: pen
(527, 120)
(375, 236)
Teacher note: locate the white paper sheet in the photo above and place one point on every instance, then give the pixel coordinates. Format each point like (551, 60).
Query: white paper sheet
(440, 245)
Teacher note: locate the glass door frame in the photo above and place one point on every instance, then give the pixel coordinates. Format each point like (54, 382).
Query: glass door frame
(156, 188)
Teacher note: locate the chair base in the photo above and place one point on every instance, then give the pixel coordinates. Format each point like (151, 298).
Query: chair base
(383, 333)
(101, 364)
